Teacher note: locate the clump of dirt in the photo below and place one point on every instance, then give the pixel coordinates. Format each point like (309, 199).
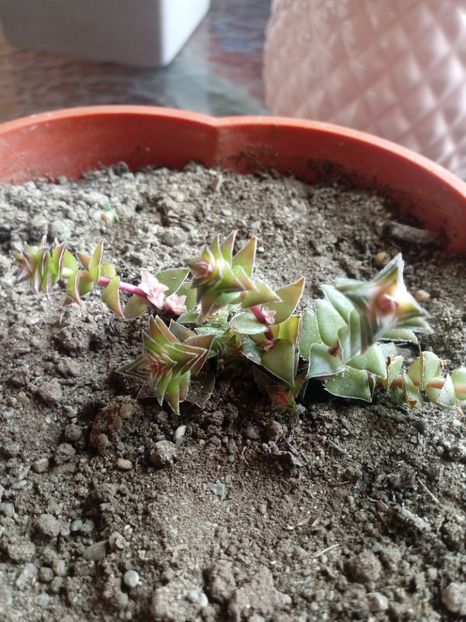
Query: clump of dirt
(113, 509)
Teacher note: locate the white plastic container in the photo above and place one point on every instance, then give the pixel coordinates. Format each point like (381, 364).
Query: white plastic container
(147, 33)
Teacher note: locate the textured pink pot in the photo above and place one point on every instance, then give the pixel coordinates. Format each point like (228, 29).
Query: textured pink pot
(394, 68)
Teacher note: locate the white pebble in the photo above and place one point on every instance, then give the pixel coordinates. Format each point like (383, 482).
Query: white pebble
(131, 578)
(454, 598)
(124, 465)
(179, 433)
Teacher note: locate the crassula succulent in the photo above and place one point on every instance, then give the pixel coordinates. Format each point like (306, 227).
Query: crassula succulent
(215, 308)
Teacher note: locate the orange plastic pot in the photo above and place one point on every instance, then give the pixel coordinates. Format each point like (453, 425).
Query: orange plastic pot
(69, 142)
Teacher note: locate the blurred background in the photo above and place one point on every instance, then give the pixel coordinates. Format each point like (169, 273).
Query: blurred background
(218, 71)
(394, 68)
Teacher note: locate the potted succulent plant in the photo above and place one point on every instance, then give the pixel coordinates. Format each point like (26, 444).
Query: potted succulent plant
(298, 505)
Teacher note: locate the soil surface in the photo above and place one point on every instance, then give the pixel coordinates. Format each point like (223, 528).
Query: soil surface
(344, 511)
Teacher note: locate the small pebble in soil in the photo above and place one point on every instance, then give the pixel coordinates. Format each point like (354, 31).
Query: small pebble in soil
(45, 574)
(421, 295)
(198, 598)
(116, 541)
(456, 453)
(163, 454)
(252, 432)
(273, 430)
(381, 259)
(56, 585)
(96, 552)
(40, 465)
(454, 598)
(27, 576)
(131, 579)
(219, 490)
(73, 432)
(364, 567)
(124, 464)
(220, 581)
(59, 567)
(377, 602)
(21, 551)
(47, 526)
(10, 450)
(7, 509)
(50, 392)
(64, 453)
(43, 600)
(179, 434)
(76, 525)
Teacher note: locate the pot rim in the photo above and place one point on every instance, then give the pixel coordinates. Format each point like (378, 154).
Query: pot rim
(228, 122)
(75, 140)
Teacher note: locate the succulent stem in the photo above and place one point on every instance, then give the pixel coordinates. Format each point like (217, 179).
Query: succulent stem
(123, 287)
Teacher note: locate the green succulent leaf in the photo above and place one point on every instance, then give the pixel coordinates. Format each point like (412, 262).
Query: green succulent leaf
(84, 259)
(175, 390)
(192, 317)
(447, 397)
(135, 307)
(289, 300)
(246, 256)
(310, 333)
(373, 360)
(458, 377)
(350, 337)
(351, 383)
(289, 329)
(394, 367)
(431, 367)
(403, 335)
(94, 263)
(329, 321)
(111, 296)
(339, 301)
(261, 294)
(412, 395)
(227, 247)
(72, 287)
(323, 363)
(173, 279)
(251, 351)
(108, 270)
(181, 332)
(246, 323)
(280, 360)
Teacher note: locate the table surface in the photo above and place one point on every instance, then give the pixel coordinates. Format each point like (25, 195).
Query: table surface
(219, 71)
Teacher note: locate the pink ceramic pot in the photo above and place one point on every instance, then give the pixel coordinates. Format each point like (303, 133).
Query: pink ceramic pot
(395, 68)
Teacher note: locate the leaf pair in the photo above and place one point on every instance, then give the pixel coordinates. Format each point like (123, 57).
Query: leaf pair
(279, 307)
(44, 265)
(219, 277)
(425, 377)
(172, 355)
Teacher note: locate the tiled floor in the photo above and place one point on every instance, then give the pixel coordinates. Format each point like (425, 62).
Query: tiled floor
(218, 72)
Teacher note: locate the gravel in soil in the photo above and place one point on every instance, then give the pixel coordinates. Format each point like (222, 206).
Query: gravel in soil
(113, 509)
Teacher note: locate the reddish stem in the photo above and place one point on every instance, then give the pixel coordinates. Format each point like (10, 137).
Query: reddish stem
(433, 384)
(124, 287)
(260, 317)
(259, 314)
